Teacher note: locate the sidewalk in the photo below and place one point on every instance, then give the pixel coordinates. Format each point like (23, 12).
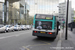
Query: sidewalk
(70, 43)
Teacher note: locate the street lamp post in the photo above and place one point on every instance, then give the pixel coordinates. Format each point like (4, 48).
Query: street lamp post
(67, 19)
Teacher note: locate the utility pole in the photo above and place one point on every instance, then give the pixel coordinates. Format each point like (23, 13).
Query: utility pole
(66, 33)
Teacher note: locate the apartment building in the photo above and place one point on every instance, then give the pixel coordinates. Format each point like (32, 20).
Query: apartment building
(62, 12)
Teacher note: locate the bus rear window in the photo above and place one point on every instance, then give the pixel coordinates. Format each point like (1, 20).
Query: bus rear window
(43, 25)
(50, 17)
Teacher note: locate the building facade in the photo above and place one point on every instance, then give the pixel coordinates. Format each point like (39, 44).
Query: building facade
(24, 12)
(73, 15)
(62, 12)
(1, 13)
(14, 11)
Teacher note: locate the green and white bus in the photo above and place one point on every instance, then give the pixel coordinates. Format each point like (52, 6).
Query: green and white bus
(45, 26)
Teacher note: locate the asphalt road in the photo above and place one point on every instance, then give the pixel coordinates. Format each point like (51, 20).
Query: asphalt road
(23, 40)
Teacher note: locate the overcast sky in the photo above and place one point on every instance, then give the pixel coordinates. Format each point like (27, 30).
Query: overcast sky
(45, 6)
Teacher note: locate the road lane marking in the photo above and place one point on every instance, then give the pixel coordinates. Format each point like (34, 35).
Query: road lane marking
(25, 48)
(2, 37)
(22, 48)
(16, 32)
(39, 44)
(58, 45)
(28, 46)
(6, 37)
(60, 40)
(17, 35)
(46, 42)
(12, 36)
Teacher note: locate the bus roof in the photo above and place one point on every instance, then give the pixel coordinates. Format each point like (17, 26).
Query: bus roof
(45, 14)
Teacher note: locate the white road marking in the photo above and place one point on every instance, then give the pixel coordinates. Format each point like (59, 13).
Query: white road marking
(17, 35)
(22, 48)
(60, 40)
(58, 45)
(14, 32)
(6, 37)
(2, 37)
(12, 36)
(27, 46)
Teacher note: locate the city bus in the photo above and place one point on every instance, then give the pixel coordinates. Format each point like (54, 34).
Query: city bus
(45, 26)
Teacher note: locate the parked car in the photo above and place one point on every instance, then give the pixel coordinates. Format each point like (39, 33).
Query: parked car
(17, 27)
(20, 27)
(11, 28)
(2, 28)
(28, 27)
(7, 28)
(23, 27)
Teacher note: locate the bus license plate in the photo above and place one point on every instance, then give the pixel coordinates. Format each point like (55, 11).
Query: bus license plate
(42, 32)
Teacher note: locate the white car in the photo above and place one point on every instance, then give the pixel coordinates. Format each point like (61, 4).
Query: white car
(2, 28)
(11, 28)
(28, 27)
(17, 27)
(7, 28)
(23, 27)
(20, 27)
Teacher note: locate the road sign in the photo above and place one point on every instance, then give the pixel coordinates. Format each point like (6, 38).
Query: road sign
(63, 21)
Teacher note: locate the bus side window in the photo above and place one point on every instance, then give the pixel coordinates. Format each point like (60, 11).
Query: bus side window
(55, 23)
